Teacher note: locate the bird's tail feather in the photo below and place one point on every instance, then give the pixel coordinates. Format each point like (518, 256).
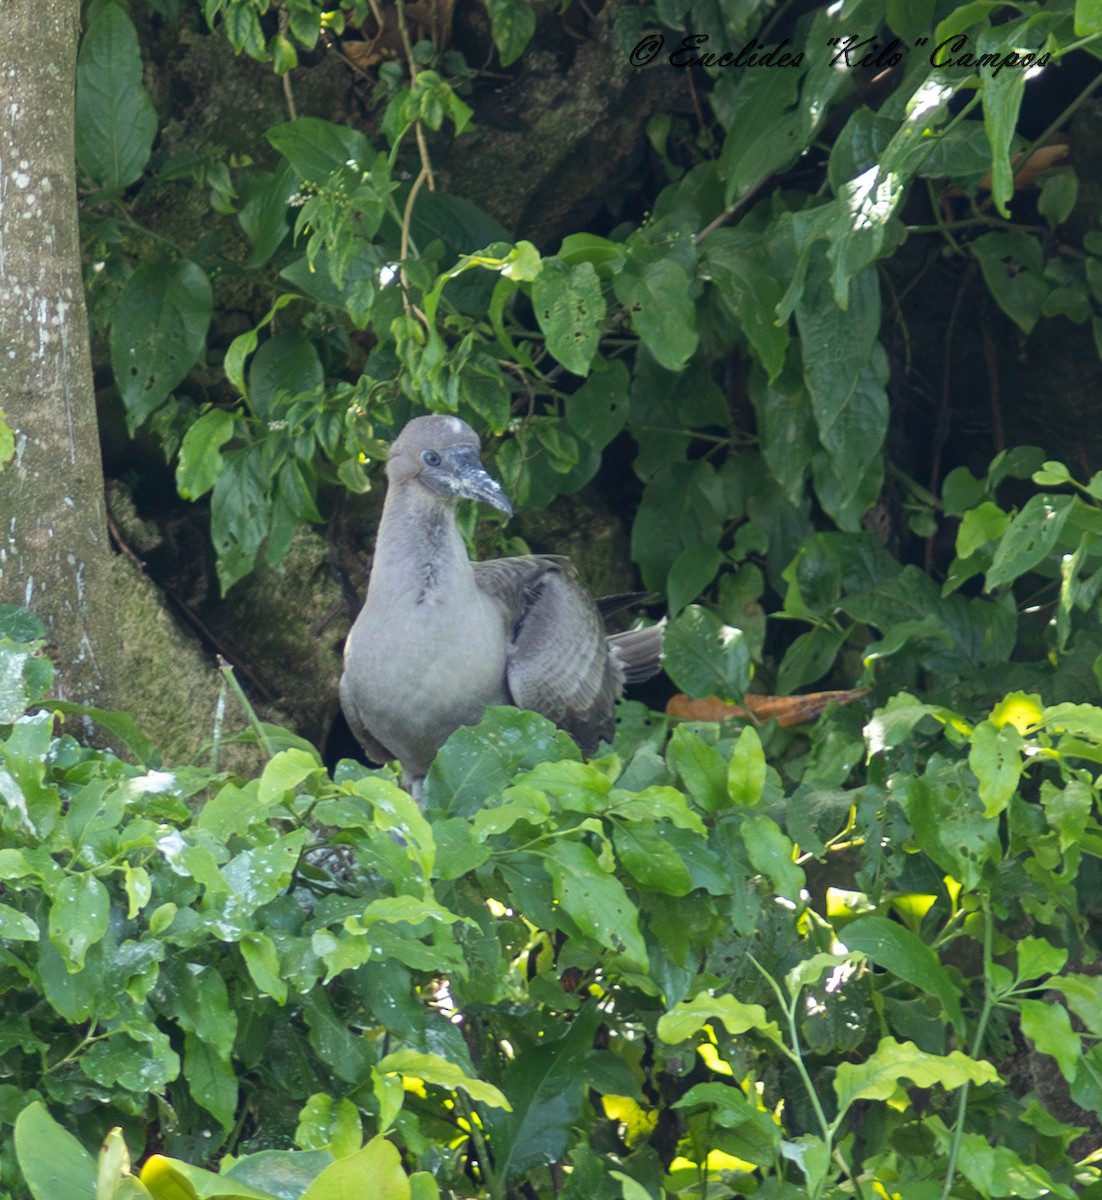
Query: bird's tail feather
(637, 653)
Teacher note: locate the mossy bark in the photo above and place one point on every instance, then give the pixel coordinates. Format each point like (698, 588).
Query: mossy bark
(54, 553)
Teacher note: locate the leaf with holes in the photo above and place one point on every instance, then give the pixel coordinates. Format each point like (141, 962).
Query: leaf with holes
(158, 332)
(569, 308)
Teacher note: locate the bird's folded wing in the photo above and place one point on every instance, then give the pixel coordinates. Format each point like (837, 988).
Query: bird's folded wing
(557, 660)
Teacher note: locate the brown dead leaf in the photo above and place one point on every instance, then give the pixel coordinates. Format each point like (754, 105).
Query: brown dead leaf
(785, 710)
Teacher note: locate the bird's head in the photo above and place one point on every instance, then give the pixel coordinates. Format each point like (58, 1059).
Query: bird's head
(441, 453)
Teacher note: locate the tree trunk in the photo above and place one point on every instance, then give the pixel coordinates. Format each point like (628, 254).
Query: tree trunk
(54, 553)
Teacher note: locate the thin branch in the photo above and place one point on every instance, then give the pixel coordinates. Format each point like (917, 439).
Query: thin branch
(288, 94)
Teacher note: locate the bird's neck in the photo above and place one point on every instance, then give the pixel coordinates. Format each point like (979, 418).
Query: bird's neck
(420, 555)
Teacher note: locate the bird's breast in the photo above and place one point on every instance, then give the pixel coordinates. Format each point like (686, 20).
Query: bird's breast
(416, 672)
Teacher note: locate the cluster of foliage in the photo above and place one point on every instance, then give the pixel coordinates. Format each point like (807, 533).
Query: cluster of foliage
(712, 963)
(737, 261)
(709, 964)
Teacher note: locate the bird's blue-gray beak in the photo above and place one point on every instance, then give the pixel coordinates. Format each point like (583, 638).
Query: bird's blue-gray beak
(471, 480)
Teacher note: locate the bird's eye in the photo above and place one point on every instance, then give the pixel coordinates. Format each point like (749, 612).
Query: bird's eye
(430, 458)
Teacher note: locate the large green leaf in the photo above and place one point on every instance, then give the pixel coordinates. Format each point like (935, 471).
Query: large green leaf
(433, 1069)
(1012, 264)
(544, 1084)
(570, 308)
(741, 272)
(686, 1018)
(78, 917)
(908, 957)
(1032, 536)
(595, 900)
(878, 1076)
(316, 148)
(55, 1165)
(158, 332)
(201, 460)
(845, 370)
(115, 119)
(705, 657)
(656, 294)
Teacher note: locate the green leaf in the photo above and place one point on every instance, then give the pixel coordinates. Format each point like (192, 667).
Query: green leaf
(376, 1170)
(240, 516)
(286, 365)
(686, 1018)
(245, 343)
(278, 1172)
(598, 409)
(1088, 17)
(171, 1179)
(16, 926)
(773, 854)
(55, 1165)
(78, 917)
(746, 771)
(513, 22)
(752, 291)
(700, 767)
(263, 215)
(845, 370)
(140, 1060)
(1032, 535)
(122, 725)
(284, 772)
(262, 960)
(1000, 1171)
(691, 572)
(431, 1068)
(570, 308)
(1048, 1027)
(7, 442)
(323, 1123)
(996, 757)
(317, 148)
(201, 460)
(199, 1002)
(1002, 93)
(139, 889)
(113, 1178)
(906, 956)
(1059, 191)
(656, 294)
(210, 1079)
(1083, 994)
(1012, 265)
(158, 332)
(877, 1077)
(704, 657)
(115, 119)
(650, 859)
(544, 1084)
(773, 128)
(594, 900)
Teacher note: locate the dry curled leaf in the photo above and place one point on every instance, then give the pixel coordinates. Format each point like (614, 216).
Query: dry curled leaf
(785, 710)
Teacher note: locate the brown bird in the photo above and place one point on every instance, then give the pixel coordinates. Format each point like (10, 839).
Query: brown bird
(440, 638)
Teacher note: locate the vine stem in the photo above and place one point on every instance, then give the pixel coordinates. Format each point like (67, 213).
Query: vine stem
(977, 1046)
(425, 175)
(288, 91)
(489, 1178)
(227, 674)
(795, 1056)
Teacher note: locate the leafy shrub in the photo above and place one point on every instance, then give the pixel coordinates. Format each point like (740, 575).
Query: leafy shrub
(706, 964)
(758, 262)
